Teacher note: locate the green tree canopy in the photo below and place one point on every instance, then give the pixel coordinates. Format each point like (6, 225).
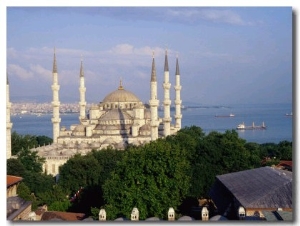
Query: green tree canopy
(15, 167)
(152, 178)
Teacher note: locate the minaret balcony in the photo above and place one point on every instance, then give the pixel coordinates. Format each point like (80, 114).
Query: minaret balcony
(154, 103)
(55, 120)
(55, 103)
(167, 85)
(9, 125)
(55, 87)
(178, 102)
(167, 119)
(178, 116)
(167, 102)
(154, 123)
(177, 87)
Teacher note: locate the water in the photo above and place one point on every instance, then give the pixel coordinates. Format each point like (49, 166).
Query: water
(279, 126)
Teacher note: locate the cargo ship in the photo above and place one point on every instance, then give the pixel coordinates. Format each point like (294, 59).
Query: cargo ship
(242, 126)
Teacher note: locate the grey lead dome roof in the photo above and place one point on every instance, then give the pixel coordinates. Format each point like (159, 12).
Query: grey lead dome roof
(121, 95)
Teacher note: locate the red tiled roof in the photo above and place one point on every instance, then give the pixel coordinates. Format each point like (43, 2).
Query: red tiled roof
(65, 216)
(286, 163)
(11, 180)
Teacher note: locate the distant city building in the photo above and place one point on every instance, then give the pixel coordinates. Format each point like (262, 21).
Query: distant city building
(118, 120)
(8, 122)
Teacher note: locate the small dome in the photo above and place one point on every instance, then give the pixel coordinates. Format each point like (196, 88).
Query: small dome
(147, 114)
(108, 140)
(186, 218)
(83, 145)
(121, 95)
(79, 128)
(145, 127)
(218, 218)
(95, 145)
(153, 219)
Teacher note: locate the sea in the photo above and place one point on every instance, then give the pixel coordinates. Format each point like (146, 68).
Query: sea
(279, 126)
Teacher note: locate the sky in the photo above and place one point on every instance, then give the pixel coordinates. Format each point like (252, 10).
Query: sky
(227, 55)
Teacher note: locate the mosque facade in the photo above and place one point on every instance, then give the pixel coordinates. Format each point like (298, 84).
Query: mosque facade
(120, 119)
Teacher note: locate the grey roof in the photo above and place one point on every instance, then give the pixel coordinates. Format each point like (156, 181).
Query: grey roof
(218, 218)
(186, 218)
(153, 219)
(264, 187)
(15, 206)
(278, 215)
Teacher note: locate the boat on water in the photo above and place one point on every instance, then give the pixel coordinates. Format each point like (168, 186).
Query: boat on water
(287, 114)
(242, 126)
(230, 115)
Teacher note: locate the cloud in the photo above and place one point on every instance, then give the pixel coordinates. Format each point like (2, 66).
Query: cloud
(223, 16)
(193, 15)
(19, 72)
(41, 71)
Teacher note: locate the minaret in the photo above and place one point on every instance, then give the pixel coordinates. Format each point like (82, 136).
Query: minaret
(82, 89)
(154, 102)
(8, 122)
(177, 88)
(55, 103)
(167, 102)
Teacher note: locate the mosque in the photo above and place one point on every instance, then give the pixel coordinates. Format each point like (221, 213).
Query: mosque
(120, 119)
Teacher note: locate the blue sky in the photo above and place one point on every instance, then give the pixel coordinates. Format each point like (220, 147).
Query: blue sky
(227, 55)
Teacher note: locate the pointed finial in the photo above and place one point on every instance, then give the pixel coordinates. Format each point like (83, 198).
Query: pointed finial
(121, 86)
(7, 83)
(81, 68)
(54, 63)
(177, 66)
(166, 61)
(153, 54)
(153, 72)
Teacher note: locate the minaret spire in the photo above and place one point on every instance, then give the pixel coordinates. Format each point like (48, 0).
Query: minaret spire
(167, 102)
(82, 90)
(54, 63)
(178, 101)
(153, 71)
(166, 61)
(81, 68)
(55, 103)
(8, 122)
(154, 102)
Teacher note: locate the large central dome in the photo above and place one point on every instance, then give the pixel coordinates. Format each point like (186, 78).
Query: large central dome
(121, 95)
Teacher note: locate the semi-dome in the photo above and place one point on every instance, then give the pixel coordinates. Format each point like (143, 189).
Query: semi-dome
(121, 95)
(114, 114)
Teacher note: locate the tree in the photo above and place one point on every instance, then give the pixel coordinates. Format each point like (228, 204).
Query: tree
(43, 140)
(19, 142)
(15, 167)
(152, 177)
(38, 182)
(79, 171)
(23, 191)
(285, 150)
(31, 161)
